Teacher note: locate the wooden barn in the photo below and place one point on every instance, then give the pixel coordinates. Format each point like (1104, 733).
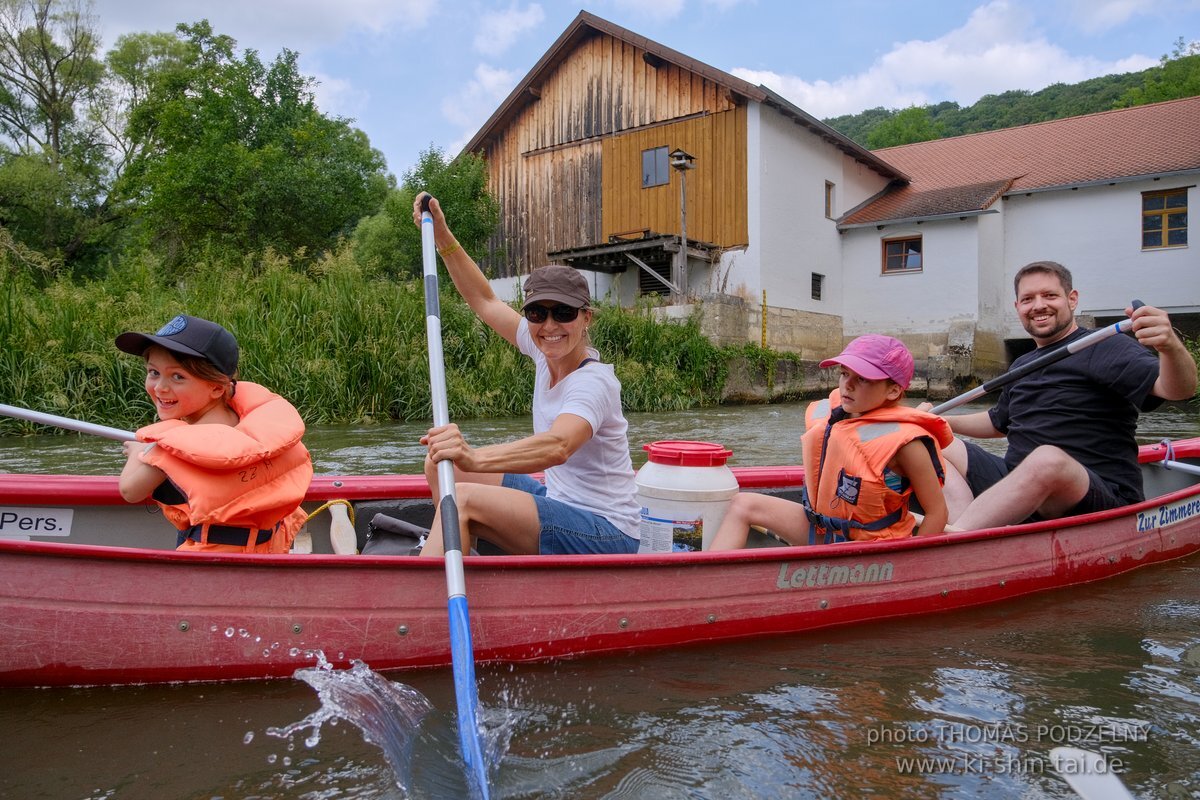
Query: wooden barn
(581, 160)
(614, 148)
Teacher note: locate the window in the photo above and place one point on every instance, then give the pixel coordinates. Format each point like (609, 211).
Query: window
(1164, 219)
(655, 169)
(818, 281)
(829, 209)
(902, 255)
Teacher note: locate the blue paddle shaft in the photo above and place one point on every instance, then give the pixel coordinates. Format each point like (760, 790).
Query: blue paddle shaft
(461, 652)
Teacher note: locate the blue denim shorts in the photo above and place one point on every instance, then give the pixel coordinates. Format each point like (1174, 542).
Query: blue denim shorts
(568, 530)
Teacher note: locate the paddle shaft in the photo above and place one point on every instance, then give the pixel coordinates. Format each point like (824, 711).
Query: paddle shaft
(76, 425)
(1179, 465)
(1095, 337)
(461, 653)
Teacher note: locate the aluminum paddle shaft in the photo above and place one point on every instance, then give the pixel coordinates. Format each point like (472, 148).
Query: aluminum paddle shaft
(461, 653)
(76, 425)
(1095, 337)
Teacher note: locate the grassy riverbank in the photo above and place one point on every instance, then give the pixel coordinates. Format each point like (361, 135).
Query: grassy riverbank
(344, 346)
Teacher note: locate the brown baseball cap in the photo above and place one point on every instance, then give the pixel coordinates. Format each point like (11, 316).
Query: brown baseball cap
(560, 283)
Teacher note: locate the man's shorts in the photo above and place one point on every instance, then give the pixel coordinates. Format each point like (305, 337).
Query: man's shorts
(985, 469)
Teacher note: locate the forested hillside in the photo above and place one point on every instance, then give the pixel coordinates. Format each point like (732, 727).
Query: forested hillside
(1178, 75)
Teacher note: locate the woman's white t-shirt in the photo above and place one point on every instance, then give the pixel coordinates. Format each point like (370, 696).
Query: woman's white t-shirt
(599, 475)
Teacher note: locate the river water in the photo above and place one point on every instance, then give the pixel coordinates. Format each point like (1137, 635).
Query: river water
(962, 704)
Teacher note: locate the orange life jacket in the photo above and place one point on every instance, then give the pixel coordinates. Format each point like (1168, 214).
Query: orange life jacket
(846, 495)
(253, 475)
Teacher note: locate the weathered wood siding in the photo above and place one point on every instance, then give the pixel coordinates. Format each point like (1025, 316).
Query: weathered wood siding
(716, 187)
(547, 165)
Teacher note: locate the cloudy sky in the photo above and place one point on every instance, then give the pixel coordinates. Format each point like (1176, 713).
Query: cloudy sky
(416, 73)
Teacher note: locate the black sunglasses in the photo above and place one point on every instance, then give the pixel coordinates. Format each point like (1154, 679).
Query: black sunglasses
(561, 313)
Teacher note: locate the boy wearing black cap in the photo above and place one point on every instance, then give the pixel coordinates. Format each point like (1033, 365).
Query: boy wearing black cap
(225, 461)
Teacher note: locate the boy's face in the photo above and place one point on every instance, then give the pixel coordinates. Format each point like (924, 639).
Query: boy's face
(177, 393)
(860, 395)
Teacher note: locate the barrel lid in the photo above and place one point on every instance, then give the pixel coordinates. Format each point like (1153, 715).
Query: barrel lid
(687, 454)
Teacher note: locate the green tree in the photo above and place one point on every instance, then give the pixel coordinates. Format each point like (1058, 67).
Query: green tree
(913, 124)
(390, 242)
(234, 156)
(132, 68)
(47, 64)
(51, 168)
(1176, 76)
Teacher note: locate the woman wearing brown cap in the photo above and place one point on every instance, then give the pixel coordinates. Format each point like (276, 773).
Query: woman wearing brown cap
(587, 504)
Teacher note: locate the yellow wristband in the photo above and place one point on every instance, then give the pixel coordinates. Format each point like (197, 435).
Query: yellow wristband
(443, 252)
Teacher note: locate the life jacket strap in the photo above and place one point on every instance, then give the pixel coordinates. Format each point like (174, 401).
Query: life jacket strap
(837, 529)
(228, 534)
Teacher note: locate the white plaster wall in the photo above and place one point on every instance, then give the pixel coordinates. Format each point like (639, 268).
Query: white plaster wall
(797, 239)
(1096, 233)
(994, 303)
(740, 271)
(946, 290)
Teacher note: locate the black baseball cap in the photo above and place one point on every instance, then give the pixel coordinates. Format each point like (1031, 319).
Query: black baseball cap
(191, 336)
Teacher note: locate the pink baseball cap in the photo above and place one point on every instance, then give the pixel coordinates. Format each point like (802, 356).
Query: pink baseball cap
(875, 357)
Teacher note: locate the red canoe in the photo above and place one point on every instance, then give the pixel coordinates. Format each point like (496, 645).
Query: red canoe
(76, 612)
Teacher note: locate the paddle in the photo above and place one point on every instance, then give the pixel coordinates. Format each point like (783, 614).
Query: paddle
(461, 655)
(341, 531)
(1088, 774)
(76, 425)
(1095, 337)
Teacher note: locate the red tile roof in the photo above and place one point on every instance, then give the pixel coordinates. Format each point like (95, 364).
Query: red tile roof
(969, 173)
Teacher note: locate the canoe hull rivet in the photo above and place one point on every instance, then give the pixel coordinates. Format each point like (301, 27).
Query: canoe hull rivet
(712, 617)
(296, 627)
(824, 604)
(402, 630)
(945, 593)
(623, 623)
(185, 626)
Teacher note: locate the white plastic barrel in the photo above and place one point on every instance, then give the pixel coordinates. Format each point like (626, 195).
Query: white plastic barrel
(684, 491)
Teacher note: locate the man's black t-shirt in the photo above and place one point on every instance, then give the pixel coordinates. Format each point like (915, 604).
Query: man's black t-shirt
(1087, 404)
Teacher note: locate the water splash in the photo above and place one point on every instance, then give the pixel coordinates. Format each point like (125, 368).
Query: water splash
(394, 716)
(389, 714)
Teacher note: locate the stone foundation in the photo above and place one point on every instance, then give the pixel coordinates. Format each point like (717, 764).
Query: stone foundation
(947, 363)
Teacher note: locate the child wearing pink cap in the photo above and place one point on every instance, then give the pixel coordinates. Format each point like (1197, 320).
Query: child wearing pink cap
(865, 457)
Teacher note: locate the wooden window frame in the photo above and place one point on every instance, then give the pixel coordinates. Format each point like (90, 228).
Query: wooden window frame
(818, 285)
(829, 200)
(661, 163)
(902, 257)
(1159, 219)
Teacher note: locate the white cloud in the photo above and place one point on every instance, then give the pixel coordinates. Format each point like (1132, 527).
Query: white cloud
(499, 29)
(339, 97)
(1098, 16)
(997, 49)
(265, 25)
(469, 108)
(656, 10)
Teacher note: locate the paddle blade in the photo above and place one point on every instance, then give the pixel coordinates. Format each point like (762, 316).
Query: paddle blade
(1088, 774)
(466, 695)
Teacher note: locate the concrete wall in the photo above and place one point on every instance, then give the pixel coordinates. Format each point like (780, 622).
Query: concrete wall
(1095, 232)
